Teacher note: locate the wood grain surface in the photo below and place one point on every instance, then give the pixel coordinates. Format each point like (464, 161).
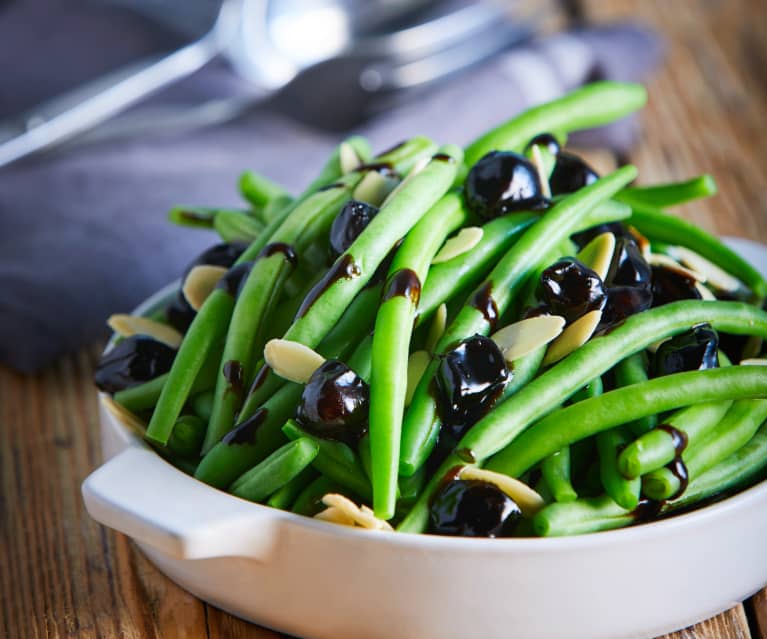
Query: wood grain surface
(61, 575)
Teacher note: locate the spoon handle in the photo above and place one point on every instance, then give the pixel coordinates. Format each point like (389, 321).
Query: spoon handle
(91, 104)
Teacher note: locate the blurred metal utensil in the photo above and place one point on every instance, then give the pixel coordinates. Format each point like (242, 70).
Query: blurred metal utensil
(350, 69)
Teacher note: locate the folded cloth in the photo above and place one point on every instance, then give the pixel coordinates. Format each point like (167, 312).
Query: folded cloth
(83, 232)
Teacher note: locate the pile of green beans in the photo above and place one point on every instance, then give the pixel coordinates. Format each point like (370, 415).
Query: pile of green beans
(604, 440)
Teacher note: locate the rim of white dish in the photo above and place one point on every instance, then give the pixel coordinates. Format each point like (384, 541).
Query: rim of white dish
(654, 528)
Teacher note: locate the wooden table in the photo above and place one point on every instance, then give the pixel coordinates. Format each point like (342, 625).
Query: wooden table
(61, 575)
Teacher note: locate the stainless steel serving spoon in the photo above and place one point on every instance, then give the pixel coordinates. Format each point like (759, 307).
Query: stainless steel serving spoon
(308, 56)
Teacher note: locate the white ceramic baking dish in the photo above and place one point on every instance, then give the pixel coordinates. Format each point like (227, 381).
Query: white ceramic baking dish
(322, 581)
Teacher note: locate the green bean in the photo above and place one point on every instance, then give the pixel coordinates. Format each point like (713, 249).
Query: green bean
(234, 226)
(251, 440)
(410, 487)
(625, 492)
(258, 189)
(734, 431)
(590, 106)
(555, 470)
(186, 437)
(595, 415)
(602, 513)
(276, 470)
(493, 297)
(257, 293)
(597, 356)
(739, 469)
(335, 460)
(633, 370)
(660, 226)
(468, 269)
(391, 343)
(352, 270)
(287, 495)
(275, 207)
(309, 501)
(660, 446)
(673, 194)
(581, 516)
(202, 217)
(207, 330)
(202, 404)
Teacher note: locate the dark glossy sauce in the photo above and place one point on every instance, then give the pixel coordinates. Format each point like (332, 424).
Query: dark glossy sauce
(234, 277)
(679, 470)
(344, 268)
(334, 185)
(194, 216)
(546, 140)
(467, 455)
(647, 510)
(404, 283)
(394, 148)
(234, 375)
(384, 168)
(246, 432)
(678, 438)
(443, 157)
(280, 247)
(259, 379)
(483, 301)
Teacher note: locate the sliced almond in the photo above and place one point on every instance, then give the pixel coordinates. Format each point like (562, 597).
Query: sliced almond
(541, 168)
(124, 416)
(754, 361)
(529, 501)
(361, 516)
(705, 292)
(416, 367)
(348, 158)
(127, 325)
(437, 328)
(374, 188)
(417, 168)
(664, 261)
(291, 360)
(713, 274)
(524, 336)
(573, 337)
(598, 254)
(200, 283)
(335, 515)
(462, 243)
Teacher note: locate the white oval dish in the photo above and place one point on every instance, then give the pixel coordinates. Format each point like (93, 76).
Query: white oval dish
(323, 581)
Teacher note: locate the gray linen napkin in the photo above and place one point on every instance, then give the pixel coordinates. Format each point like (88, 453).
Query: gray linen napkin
(83, 232)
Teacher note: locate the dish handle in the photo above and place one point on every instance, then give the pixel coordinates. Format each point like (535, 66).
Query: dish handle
(139, 494)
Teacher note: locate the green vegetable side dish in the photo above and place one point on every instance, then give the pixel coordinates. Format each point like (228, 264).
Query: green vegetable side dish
(493, 341)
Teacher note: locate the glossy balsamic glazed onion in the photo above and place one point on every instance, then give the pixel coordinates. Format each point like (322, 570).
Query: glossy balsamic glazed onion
(570, 174)
(670, 285)
(473, 509)
(133, 360)
(624, 301)
(179, 313)
(628, 267)
(349, 223)
(503, 182)
(335, 403)
(470, 379)
(571, 289)
(696, 349)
